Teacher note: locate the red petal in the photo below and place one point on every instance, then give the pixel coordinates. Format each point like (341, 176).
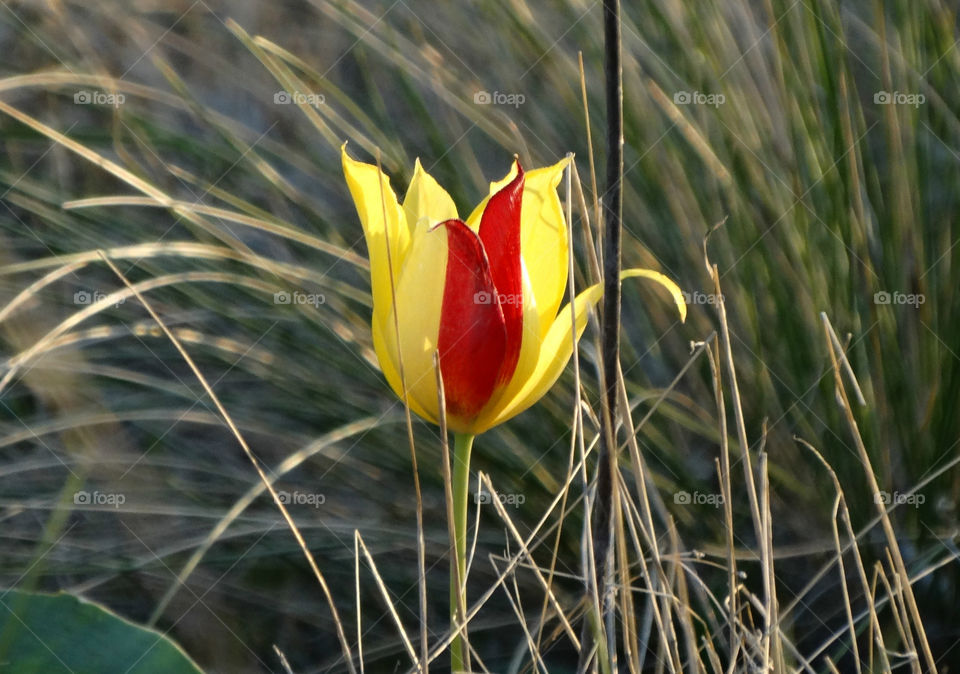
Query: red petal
(473, 338)
(500, 234)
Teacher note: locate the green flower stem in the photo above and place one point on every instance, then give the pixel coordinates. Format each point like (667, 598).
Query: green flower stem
(462, 444)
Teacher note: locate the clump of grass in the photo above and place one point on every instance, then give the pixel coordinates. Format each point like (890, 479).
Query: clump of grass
(209, 199)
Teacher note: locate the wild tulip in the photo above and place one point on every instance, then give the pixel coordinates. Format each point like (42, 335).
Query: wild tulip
(483, 293)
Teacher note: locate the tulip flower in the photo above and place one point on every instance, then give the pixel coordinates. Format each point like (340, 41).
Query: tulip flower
(484, 293)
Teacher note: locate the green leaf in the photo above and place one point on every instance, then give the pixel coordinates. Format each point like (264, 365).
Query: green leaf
(54, 633)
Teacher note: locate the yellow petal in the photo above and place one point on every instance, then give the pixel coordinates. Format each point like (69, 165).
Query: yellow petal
(391, 369)
(675, 293)
(426, 201)
(543, 236)
(419, 305)
(374, 198)
(557, 348)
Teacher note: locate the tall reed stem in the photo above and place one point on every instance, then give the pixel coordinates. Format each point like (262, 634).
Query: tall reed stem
(607, 498)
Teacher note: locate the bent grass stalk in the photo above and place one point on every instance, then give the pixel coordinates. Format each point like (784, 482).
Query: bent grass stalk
(421, 553)
(324, 586)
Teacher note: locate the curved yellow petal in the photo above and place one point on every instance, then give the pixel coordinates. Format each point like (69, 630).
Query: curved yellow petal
(419, 305)
(557, 348)
(373, 197)
(675, 293)
(426, 202)
(543, 236)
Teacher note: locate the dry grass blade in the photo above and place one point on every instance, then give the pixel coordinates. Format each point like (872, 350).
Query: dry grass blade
(737, 408)
(663, 614)
(576, 436)
(277, 228)
(116, 170)
(842, 355)
(892, 544)
(868, 591)
(240, 505)
(684, 610)
(514, 599)
(181, 249)
(356, 580)
(847, 608)
(900, 614)
(597, 218)
(624, 576)
(772, 643)
(283, 659)
(421, 547)
(43, 344)
(32, 289)
(341, 636)
(732, 609)
(525, 552)
(656, 608)
(386, 599)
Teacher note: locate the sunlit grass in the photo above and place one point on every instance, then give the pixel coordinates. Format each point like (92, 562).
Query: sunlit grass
(210, 198)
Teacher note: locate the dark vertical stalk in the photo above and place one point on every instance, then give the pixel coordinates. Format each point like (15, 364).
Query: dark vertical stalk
(607, 497)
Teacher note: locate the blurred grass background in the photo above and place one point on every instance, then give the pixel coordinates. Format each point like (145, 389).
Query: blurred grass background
(830, 196)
